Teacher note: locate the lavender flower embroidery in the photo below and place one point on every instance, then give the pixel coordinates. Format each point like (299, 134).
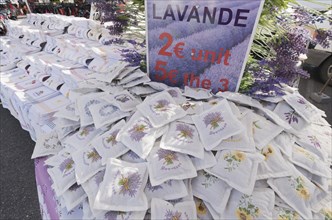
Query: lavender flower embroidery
(291, 117)
(86, 107)
(129, 184)
(85, 132)
(111, 139)
(66, 166)
(138, 132)
(209, 180)
(161, 106)
(173, 215)
(122, 98)
(173, 93)
(213, 119)
(313, 139)
(185, 131)
(301, 101)
(168, 156)
(91, 156)
(107, 110)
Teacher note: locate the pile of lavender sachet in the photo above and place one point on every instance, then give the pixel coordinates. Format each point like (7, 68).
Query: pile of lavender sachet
(164, 153)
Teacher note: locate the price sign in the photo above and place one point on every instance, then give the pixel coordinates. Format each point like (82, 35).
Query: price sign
(199, 43)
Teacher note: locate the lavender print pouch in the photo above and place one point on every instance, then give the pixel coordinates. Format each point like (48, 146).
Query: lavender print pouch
(274, 164)
(237, 168)
(47, 144)
(217, 124)
(63, 175)
(161, 109)
(183, 138)
(289, 115)
(302, 106)
(169, 190)
(87, 163)
(176, 94)
(123, 187)
(264, 131)
(166, 165)
(104, 114)
(161, 209)
(124, 101)
(315, 143)
(81, 138)
(243, 141)
(211, 189)
(83, 106)
(258, 205)
(107, 146)
(139, 135)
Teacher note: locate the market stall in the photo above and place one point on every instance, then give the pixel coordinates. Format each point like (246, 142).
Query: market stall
(112, 144)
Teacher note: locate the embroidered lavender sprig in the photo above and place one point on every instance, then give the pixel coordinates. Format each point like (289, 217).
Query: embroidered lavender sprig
(130, 184)
(213, 119)
(185, 131)
(170, 215)
(168, 156)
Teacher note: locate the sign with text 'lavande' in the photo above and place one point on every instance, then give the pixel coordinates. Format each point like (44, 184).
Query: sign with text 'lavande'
(200, 43)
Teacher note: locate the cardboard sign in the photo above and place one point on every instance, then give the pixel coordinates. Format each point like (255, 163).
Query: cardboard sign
(201, 44)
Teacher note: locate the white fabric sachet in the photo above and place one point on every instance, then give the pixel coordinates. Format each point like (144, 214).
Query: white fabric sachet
(47, 144)
(202, 210)
(74, 196)
(237, 168)
(123, 100)
(87, 163)
(217, 124)
(258, 205)
(123, 187)
(161, 209)
(208, 161)
(211, 189)
(139, 135)
(107, 146)
(166, 165)
(183, 138)
(161, 109)
(197, 93)
(83, 107)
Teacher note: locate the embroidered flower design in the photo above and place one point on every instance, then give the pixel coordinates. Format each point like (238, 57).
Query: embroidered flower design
(209, 180)
(213, 119)
(66, 166)
(86, 107)
(112, 138)
(246, 209)
(314, 140)
(185, 131)
(52, 142)
(267, 151)
(301, 101)
(299, 185)
(173, 93)
(161, 106)
(233, 160)
(291, 117)
(107, 110)
(168, 156)
(201, 208)
(173, 215)
(92, 156)
(138, 132)
(85, 131)
(188, 105)
(306, 153)
(327, 213)
(122, 98)
(129, 184)
(286, 214)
